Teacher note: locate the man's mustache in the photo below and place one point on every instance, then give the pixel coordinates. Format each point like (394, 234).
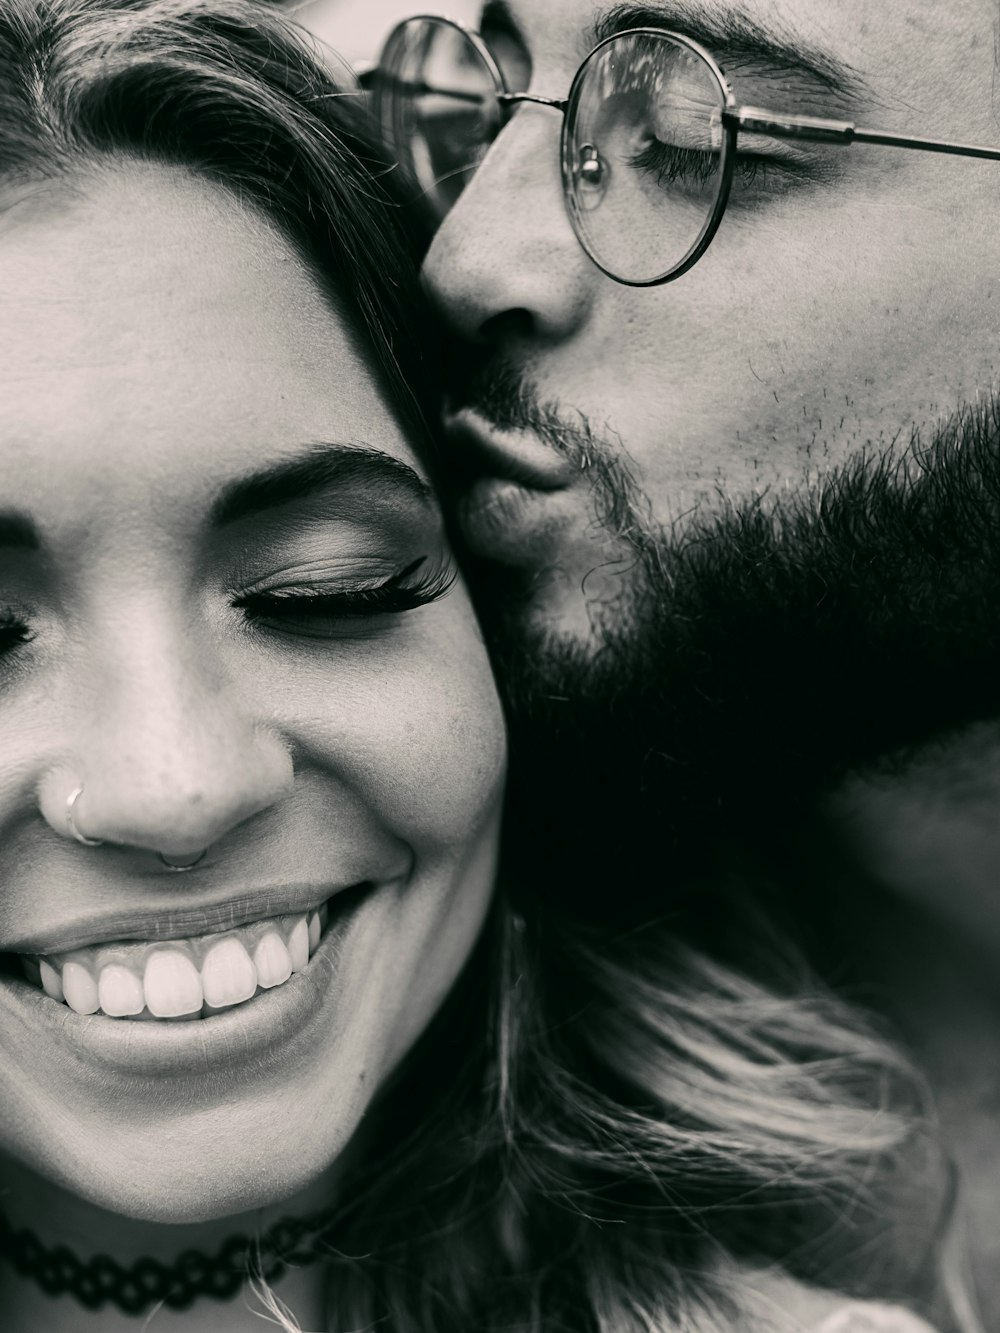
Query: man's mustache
(503, 393)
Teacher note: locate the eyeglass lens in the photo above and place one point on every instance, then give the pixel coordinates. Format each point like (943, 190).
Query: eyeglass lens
(643, 154)
(436, 101)
(643, 146)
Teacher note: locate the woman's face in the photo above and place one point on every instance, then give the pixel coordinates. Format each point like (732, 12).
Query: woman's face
(221, 571)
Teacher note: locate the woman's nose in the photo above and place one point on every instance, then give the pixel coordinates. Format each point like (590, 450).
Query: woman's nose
(506, 253)
(167, 749)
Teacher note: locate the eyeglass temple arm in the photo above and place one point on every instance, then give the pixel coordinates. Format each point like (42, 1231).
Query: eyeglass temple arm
(758, 121)
(369, 77)
(376, 76)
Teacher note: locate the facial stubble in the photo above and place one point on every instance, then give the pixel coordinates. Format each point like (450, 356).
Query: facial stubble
(759, 655)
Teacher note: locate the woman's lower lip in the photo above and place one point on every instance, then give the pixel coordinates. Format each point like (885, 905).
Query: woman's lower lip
(165, 1049)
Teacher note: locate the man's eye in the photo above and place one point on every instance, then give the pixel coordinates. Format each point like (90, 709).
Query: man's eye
(671, 145)
(321, 611)
(670, 165)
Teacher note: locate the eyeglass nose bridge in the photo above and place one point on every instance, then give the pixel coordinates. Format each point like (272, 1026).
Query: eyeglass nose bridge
(512, 99)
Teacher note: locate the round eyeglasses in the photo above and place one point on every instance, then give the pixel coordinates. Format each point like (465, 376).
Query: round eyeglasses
(649, 137)
(646, 156)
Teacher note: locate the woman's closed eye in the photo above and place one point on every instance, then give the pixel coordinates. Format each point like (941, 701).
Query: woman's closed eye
(323, 610)
(314, 608)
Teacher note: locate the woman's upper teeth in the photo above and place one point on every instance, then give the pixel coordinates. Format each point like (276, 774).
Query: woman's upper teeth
(180, 978)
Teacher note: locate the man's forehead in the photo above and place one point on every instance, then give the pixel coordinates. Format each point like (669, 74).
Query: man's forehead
(855, 48)
(593, 21)
(721, 17)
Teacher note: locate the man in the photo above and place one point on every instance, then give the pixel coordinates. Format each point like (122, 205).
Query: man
(743, 523)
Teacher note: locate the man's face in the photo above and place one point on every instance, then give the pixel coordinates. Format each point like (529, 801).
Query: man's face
(747, 542)
(850, 293)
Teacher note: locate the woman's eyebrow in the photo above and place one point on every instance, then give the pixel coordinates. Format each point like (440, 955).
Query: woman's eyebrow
(360, 469)
(17, 532)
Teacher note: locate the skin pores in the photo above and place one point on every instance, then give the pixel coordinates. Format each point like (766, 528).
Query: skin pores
(159, 346)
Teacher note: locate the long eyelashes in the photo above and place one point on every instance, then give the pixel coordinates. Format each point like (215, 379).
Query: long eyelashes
(668, 165)
(310, 610)
(308, 607)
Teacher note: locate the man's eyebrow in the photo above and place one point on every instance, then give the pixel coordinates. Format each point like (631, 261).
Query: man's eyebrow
(359, 468)
(739, 41)
(17, 532)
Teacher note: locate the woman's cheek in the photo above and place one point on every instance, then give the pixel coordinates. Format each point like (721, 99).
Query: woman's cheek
(409, 721)
(439, 731)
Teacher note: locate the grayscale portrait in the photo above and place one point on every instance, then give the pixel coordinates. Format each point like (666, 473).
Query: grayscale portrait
(500, 770)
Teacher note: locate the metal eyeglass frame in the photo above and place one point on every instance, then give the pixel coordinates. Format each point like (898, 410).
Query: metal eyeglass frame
(734, 118)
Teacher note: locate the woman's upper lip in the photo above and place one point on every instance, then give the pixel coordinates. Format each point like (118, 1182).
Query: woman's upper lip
(175, 919)
(514, 455)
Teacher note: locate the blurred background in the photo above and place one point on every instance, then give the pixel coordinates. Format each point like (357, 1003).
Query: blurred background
(356, 29)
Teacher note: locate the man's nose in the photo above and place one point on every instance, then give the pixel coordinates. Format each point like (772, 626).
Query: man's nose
(505, 261)
(167, 747)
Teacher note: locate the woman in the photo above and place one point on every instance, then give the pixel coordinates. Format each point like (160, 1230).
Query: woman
(252, 756)
(262, 1006)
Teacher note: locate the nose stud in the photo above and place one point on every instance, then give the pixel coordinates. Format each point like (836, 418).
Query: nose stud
(82, 838)
(180, 866)
(176, 866)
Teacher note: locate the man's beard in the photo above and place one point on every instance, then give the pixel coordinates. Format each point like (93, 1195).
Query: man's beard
(767, 651)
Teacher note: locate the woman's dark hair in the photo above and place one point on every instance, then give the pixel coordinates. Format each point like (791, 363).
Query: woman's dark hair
(606, 1128)
(230, 92)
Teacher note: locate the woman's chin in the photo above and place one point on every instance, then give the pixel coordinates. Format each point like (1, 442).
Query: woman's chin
(229, 1161)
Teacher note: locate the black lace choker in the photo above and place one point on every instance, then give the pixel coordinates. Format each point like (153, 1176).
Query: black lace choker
(134, 1288)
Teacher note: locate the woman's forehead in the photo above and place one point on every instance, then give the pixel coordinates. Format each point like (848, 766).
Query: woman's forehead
(152, 326)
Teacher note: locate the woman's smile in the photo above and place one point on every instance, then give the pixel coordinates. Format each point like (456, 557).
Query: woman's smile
(265, 983)
(180, 977)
